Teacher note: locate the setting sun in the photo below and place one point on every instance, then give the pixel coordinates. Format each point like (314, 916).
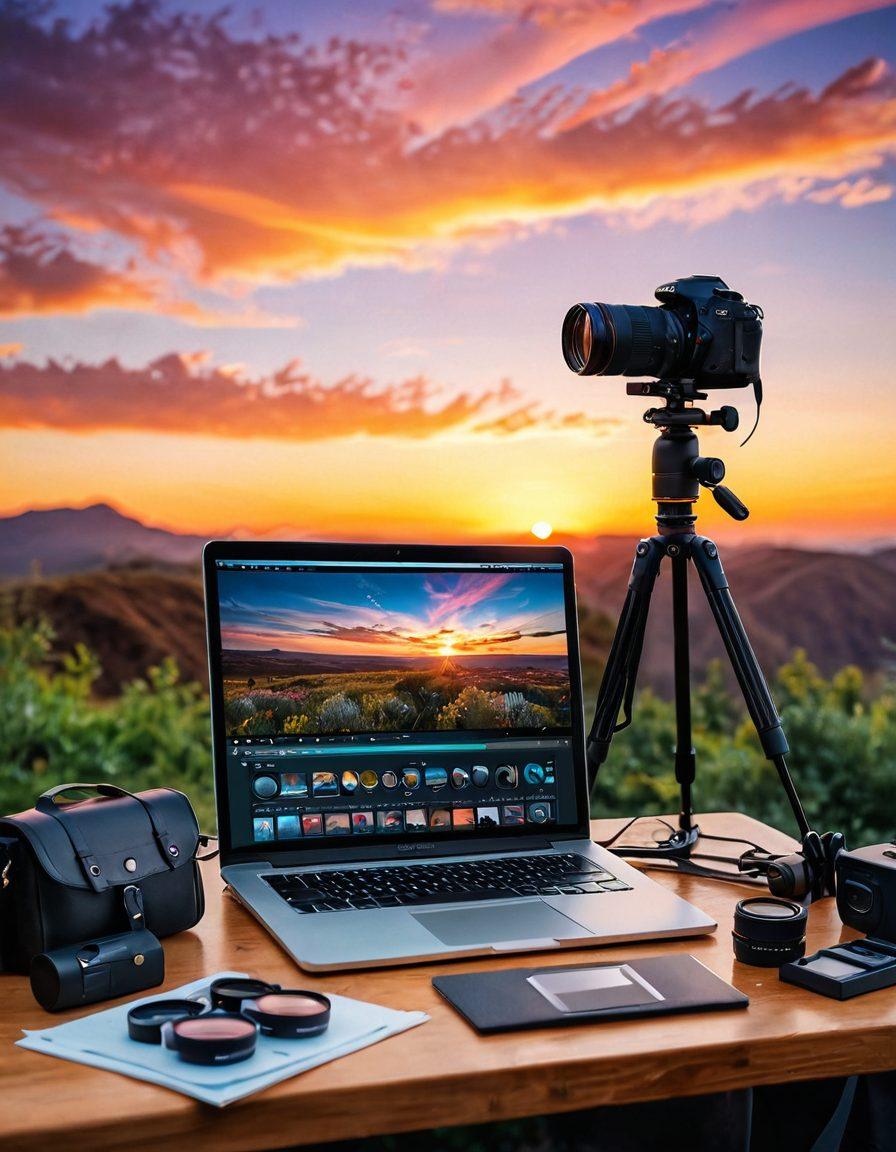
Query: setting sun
(541, 529)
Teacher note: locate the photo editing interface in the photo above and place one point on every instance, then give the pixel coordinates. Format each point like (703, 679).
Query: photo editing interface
(391, 699)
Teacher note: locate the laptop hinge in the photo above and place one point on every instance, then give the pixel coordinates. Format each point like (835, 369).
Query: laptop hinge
(415, 852)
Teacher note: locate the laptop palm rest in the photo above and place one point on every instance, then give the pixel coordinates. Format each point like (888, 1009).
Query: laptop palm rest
(495, 923)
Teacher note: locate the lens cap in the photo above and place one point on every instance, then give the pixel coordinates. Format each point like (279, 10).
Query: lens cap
(769, 932)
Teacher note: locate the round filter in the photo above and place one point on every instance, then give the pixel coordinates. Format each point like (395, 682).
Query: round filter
(229, 993)
(215, 1038)
(146, 1020)
(769, 932)
(290, 1014)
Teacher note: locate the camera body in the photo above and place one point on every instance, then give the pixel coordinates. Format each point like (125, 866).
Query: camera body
(722, 332)
(866, 890)
(704, 333)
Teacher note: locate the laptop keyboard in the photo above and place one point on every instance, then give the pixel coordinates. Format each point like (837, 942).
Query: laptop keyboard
(415, 884)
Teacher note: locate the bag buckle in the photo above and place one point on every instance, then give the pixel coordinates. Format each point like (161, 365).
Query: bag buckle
(133, 905)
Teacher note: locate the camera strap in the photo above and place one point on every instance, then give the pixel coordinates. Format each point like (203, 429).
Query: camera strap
(757, 394)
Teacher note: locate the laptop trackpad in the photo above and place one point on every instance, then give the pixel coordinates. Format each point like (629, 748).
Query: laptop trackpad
(495, 923)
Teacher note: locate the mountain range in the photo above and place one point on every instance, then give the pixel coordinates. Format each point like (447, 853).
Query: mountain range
(58, 540)
(133, 594)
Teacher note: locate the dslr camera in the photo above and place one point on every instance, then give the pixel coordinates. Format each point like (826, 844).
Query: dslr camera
(703, 333)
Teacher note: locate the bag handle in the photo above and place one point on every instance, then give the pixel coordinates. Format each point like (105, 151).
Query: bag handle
(47, 803)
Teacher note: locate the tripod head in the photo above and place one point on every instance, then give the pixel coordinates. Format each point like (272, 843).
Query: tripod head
(678, 410)
(678, 468)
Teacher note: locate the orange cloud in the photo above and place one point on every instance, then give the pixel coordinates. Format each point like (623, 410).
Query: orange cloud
(186, 395)
(10, 350)
(41, 275)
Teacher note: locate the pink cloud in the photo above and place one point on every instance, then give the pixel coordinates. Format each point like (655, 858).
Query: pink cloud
(732, 31)
(452, 596)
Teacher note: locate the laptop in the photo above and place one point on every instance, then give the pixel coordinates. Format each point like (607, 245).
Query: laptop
(400, 760)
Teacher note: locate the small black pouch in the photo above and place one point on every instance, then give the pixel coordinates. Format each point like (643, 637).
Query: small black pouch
(64, 867)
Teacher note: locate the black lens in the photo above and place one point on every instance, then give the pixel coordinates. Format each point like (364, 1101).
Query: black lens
(769, 932)
(622, 340)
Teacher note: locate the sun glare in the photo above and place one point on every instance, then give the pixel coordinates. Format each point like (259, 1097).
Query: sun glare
(541, 529)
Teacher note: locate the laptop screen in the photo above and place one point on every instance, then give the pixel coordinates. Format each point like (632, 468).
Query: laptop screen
(382, 701)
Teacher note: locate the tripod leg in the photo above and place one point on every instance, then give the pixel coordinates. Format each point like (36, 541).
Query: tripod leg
(685, 757)
(617, 683)
(749, 675)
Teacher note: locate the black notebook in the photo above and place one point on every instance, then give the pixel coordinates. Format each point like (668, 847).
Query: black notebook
(515, 998)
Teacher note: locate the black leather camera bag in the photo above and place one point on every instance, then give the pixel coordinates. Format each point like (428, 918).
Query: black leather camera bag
(65, 868)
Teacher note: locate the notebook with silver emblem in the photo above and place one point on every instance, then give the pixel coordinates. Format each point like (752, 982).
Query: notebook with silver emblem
(399, 754)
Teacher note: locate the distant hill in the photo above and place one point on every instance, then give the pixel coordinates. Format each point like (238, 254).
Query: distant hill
(80, 539)
(840, 607)
(131, 618)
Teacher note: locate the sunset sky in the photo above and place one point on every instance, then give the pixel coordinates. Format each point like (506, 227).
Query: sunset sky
(444, 614)
(301, 268)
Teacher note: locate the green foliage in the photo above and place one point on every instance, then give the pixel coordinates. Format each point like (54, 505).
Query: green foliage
(52, 731)
(842, 732)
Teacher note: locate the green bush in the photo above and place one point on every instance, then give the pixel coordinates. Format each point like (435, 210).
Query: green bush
(52, 731)
(842, 734)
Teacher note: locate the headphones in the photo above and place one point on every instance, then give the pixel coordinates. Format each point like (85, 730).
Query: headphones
(809, 872)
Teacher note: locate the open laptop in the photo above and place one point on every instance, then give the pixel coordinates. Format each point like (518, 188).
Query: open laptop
(399, 755)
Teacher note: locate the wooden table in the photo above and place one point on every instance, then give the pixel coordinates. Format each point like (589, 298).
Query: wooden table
(442, 1073)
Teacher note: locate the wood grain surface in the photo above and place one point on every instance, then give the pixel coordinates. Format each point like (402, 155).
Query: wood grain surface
(442, 1073)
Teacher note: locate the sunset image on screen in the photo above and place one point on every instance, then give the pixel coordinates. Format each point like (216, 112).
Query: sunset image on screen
(307, 652)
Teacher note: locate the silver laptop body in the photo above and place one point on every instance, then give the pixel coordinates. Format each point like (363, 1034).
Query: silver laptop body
(398, 730)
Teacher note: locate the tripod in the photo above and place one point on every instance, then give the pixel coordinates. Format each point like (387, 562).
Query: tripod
(678, 473)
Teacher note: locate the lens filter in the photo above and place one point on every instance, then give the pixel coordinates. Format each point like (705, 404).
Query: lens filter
(145, 1020)
(215, 1038)
(229, 992)
(290, 1015)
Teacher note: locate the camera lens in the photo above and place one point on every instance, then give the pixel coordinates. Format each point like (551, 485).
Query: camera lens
(769, 932)
(621, 340)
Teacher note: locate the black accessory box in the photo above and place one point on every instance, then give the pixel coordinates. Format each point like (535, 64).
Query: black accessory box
(64, 867)
(507, 1000)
